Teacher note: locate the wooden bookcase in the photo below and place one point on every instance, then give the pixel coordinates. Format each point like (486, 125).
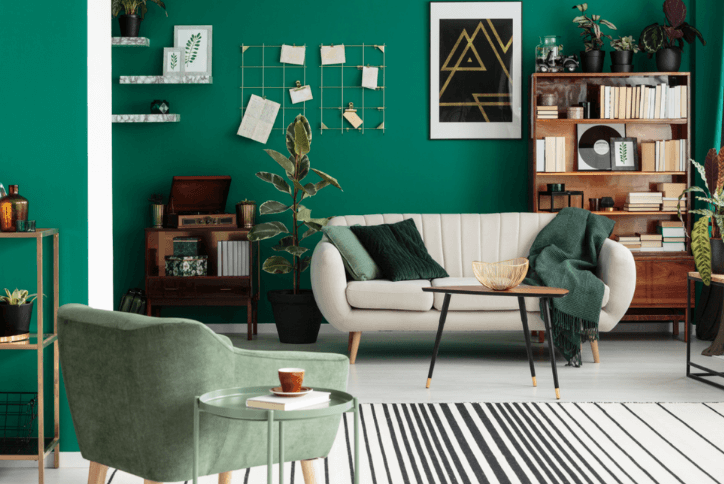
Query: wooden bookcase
(661, 276)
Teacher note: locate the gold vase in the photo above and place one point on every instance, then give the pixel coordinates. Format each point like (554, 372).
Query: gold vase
(157, 216)
(13, 207)
(245, 213)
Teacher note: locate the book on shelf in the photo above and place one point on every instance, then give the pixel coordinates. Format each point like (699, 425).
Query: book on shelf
(273, 402)
(674, 246)
(540, 155)
(634, 208)
(628, 239)
(560, 154)
(671, 190)
(551, 154)
(671, 240)
(663, 155)
(233, 258)
(660, 101)
(650, 237)
(671, 229)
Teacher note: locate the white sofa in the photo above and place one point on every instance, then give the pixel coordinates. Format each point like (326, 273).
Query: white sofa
(454, 241)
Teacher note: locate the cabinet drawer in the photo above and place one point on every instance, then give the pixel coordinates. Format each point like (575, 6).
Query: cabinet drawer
(197, 287)
(169, 287)
(222, 287)
(661, 283)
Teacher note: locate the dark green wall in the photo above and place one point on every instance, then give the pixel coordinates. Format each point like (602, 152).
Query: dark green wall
(44, 150)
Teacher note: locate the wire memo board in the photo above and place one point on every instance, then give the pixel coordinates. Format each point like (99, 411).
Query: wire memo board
(339, 124)
(263, 87)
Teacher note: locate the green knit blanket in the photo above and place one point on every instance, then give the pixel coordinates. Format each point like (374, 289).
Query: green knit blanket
(565, 254)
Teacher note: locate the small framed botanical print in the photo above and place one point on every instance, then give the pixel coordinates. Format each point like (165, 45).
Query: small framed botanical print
(624, 154)
(173, 62)
(196, 42)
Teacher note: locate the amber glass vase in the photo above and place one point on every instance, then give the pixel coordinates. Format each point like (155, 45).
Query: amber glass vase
(13, 207)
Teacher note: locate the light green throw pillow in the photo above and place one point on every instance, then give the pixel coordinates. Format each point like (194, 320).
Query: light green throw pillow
(356, 259)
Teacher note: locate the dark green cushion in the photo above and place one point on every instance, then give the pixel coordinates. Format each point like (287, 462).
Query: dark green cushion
(357, 261)
(398, 250)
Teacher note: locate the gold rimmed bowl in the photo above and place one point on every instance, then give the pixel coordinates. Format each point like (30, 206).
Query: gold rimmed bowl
(500, 276)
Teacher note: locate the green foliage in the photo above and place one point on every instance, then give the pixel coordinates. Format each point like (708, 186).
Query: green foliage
(133, 7)
(623, 44)
(174, 61)
(192, 48)
(701, 247)
(657, 36)
(592, 34)
(17, 298)
(296, 167)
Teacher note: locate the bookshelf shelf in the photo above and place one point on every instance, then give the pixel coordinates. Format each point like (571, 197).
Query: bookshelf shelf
(612, 173)
(613, 121)
(622, 213)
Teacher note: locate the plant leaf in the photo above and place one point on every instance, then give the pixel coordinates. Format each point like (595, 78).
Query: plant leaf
(295, 250)
(691, 32)
(277, 264)
(266, 231)
(311, 229)
(304, 190)
(701, 248)
(608, 24)
(675, 12)
(291, 133)
(651, 38)
(304, 214)
(271, 207)
(301, 140)
(327, 178)
(581, 6)
(275, 180)
(284, 242)
(283, 161)
(303, 168)
(304, 264)
(310, 189)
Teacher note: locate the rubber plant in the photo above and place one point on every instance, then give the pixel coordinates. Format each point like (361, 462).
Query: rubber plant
(592, 34)
(296, 167)
(656, 36)
(712, 216)
(132, 7)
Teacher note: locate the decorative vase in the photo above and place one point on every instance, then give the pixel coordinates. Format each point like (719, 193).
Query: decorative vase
(548, 44)
(717, 256)
(297, 316)
(15, 319)
(160, 107)
(592, 61)
(245, 212)
(13, 207)
(668, 60)
(157, 216)
(130, 25)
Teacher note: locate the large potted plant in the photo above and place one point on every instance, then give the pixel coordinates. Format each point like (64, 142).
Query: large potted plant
(592, 57)
(667, 41)
(16, 310)
(133, 13)
(296, 314)
(622, 55)
(708, 250)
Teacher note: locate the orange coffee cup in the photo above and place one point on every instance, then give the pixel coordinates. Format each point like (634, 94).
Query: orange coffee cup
(291, 379)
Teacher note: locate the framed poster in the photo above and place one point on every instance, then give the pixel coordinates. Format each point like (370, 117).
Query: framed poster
(196, 41)
(475, 70)
(173, 64)
(625, 154)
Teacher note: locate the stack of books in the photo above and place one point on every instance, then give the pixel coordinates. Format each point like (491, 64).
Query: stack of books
(671, 192)
(547, 112)
(674, 236)
(643, 102)
(651, 242)
(663, 155)
(232, 258)
(643, 202)
(551, 154)
(631, 242)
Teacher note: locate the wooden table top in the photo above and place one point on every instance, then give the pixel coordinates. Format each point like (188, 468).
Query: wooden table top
(716, 278)
(523, 290)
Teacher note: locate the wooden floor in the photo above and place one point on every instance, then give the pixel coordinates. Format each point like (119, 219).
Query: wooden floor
(480, 367)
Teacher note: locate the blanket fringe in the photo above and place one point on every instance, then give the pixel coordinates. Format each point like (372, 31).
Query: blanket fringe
(568, 334)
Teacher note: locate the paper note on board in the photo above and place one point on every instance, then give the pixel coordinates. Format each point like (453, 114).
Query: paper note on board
(333, 54)
(300, 94)
(351, 116)
(369, 77)
(292, 55)
(258, 119)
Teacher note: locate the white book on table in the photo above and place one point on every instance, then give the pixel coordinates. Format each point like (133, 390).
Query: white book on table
(273, 402)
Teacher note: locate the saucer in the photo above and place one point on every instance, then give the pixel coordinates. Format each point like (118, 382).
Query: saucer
(279, 393)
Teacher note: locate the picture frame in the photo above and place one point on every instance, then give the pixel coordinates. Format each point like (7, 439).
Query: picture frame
(594, 145)
(475, 70)
(624, 154)
(173, 65)
(197, 44)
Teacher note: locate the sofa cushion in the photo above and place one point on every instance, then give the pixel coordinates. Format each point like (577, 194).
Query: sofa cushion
(460, 302)
(399, 251)
(358, 262)
(385, 294)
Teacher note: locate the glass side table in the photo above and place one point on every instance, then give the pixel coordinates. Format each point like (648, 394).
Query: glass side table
(231, 403)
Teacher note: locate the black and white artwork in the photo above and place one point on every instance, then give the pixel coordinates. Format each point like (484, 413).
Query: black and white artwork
(475, 70)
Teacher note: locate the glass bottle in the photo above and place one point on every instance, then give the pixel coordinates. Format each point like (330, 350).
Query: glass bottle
(548, 43)
(13, 207)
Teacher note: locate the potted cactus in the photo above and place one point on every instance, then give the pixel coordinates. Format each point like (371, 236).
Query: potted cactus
(667, 41)
(16, 310)
(134, 11)
(622, 55)
(592, 57)
(296, 314)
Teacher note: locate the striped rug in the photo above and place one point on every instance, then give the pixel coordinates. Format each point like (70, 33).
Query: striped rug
(524, 443)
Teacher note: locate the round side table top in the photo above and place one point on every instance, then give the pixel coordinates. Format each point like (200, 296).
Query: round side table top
(231, 403)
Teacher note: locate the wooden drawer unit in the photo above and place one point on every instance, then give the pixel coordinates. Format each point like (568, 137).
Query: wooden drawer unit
(661, 282)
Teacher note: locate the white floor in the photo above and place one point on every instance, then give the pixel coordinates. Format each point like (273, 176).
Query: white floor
(474, 367)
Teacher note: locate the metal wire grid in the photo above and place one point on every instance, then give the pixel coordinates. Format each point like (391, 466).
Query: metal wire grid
(264, 87)
(18, 411)
(342, 87)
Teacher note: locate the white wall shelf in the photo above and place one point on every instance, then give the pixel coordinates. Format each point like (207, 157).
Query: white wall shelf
(166, 80)
(131, 42)
(146, 118)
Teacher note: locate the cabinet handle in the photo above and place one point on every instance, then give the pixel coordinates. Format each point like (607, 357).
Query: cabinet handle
(171, 288)
(225, 289)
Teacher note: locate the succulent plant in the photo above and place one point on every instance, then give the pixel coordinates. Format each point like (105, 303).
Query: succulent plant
(131, 7)
(592, 34)
(625, 44)
(296, 166)
(17, 298)
(156, 199)
(656, 37)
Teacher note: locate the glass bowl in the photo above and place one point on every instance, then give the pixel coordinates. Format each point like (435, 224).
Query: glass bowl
(500, 276)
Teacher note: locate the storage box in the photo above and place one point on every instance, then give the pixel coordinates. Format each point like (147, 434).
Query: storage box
(187, 266)
(671, 190)
(186, 246)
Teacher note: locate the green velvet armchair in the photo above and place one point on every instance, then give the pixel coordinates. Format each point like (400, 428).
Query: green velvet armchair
(131, 381)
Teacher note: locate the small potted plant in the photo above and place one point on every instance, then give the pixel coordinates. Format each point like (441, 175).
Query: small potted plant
(708, 250)
(296, 314)
(157, 209)
(622, 55)
(592, 57)
(16, 309)
(134, 11)
(667, 41)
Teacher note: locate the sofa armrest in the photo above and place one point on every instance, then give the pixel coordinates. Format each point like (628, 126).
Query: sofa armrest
(329, 283)
(617, 269)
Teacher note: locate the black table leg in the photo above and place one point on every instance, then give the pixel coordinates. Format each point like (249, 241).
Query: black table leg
(547, 322)
(526, 332)
(443, 316)
(689, 316)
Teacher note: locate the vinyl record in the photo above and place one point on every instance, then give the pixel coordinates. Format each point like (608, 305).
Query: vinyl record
(594, 147)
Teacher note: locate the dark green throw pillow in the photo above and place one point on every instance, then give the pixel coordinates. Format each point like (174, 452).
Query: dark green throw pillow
(399, 252)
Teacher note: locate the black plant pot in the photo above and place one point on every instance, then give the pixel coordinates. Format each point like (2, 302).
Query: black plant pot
(296, 315)
(668, 60)
(622, 57)
(717, 256)
(14, 319)
(621, 68)
(130, 25)
(592, 61)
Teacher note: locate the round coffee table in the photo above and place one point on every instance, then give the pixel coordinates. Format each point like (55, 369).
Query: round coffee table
(231, 403)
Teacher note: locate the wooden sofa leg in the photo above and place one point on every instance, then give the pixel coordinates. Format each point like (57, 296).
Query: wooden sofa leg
(225, 478)
(594, 349)
(146, 481)
(354, 345)
(309, 472)
(541, 336)
(97, 473)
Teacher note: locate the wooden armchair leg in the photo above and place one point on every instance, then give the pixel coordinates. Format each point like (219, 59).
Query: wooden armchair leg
(97, 473)
(225, 478)
(146, 481)
(354, 345)
(594, 349)
(541, 336)
(309, 471)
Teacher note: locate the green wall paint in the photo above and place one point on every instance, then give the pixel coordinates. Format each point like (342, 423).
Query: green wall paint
(43, 137)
